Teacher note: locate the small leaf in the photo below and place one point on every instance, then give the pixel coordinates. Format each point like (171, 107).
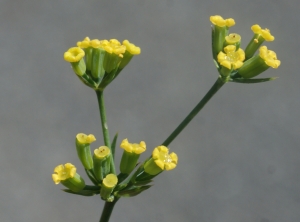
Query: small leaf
(132, 192)
(248, 81)
(141, 183)
(91, 176)
(86, 193)
(113, 145)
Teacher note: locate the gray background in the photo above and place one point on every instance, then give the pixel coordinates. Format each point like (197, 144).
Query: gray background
(239, 160)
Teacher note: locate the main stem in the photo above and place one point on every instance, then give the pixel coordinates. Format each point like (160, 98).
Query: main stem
(217, 85)
(107, 210)
(104, 125)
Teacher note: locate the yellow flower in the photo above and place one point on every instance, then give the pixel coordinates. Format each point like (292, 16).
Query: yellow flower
(219, 21)
(259, 63)
(74, 54)
(265, 33)
(85, 43)
(269, 56)
(85, 139)
(163, 159)
(133, 147)
(231, 59)
(131, 48)
(63, 172)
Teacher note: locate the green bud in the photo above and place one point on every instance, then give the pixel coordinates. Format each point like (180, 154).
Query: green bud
(102, 161)
(218, 39)
(88, 58)
(233, 39)
(79, 67)
(97, 69)
(111, 61)
(108, 185)
(253, 45)
(128, 162)
(75, 184)
(83, 149)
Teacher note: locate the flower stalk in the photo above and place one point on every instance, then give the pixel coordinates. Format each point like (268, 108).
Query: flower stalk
(215, 88)
(104, 125)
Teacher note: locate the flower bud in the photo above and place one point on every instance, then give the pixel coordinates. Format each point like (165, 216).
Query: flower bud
(75, 57)
(83, 142)
(220, 30)
(101, 159)
(130, 155)
(108, 184)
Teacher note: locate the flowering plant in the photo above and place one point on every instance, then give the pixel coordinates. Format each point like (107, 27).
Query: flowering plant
(98, 62)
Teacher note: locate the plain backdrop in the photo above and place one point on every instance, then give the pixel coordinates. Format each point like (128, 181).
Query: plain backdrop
(239, 159)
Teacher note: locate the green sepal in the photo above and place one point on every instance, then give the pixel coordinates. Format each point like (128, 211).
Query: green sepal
(141, 183)
(87, 80)
(86, 193)
(132, 192)
(127, 56)
(248, 81)
(212, 41)
(122, 177)
(108, 78)
(91, 175)
(141, 176)
(113, 145)
(216, 64)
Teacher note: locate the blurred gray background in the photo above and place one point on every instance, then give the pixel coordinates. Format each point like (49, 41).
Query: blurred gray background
(239, 160)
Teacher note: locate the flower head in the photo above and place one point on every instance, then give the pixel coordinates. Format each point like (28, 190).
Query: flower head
(131, 48)
(110, 180)
(160, 160)
(233, 38)
(63, 172)
(74, 54)
(259, 63)
(219, 21)
(133, 147)
(102, 152)
(231, 59)
(108, 184)
(102, 162)
(265, 33)
(269, 57)
(85, 43)
(85, 139)
(163, 159)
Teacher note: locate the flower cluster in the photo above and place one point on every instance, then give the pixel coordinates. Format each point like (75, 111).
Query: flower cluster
(99, 170)
(98, 62)
(235, 63)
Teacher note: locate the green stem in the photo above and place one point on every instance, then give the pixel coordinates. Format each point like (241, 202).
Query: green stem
(104, 125)
(217, 85)
(107, 210)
